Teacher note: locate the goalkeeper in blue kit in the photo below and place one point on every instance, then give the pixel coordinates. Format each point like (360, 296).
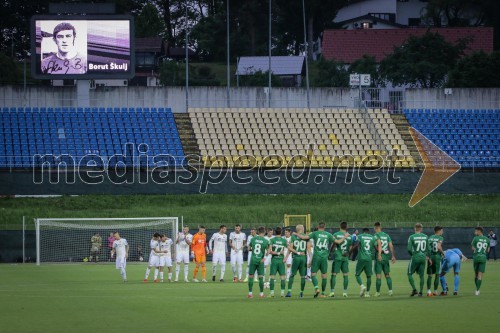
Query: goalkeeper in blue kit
(452, 259)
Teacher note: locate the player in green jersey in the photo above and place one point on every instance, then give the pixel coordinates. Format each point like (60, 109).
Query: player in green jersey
(419, 251)
(341, 259)
(297, 248)
(322, 242)
(385, 255)
(436, 253)
(277, 246)
(481, 247)
(258, 246)
(367, 246)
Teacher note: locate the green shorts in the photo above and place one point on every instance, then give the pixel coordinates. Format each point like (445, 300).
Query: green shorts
(319, 264)
(364, 265)
(299, 264)
(277, 266)
(416, 266)
(436, 265)
(256, 266)
(382, 266)
(340, 265)
(479, 266)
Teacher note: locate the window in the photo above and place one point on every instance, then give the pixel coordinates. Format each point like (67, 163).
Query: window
(384, 16)
(144, 59)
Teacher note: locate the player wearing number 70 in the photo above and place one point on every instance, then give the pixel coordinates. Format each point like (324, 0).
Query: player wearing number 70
(418, 249)
(322, 243)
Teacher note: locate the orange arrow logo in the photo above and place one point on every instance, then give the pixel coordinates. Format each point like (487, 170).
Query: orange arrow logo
(438, 167)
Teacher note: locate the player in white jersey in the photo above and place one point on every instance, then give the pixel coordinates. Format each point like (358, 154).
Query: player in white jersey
(252, 235)
(310, 252)
(267, 259)
(153, 257)
(183, 246)
(289, 259)
(218, 249)
(120, 247)
(166, 256)
(237, 241)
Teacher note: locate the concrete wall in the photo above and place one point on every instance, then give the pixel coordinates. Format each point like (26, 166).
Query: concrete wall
(175, 97)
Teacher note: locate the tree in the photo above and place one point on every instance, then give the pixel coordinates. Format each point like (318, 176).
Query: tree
(10, 72)
(332, 73)
(149, 23)
(478, 70)
(422, 61)
(367, 65)
(260, 79)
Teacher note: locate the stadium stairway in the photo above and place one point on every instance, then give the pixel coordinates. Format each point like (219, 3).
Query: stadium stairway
(186, 134)
(403, 125)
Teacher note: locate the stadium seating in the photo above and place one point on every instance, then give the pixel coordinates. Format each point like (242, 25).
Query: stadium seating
(471, 137)
(322, 137)
(77, 132)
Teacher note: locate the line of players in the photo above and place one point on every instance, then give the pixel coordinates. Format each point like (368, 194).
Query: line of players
(299, 252)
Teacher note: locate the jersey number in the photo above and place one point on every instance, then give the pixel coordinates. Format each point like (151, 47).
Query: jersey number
(481, 247)
(421, 245)
(278, 248)
(367, 244)
(384, 245)
(299, 246)
(257, 249)
(321, 244)
(435, 247)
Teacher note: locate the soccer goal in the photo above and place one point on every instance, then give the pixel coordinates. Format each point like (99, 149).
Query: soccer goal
(64, 240)
(293, 220)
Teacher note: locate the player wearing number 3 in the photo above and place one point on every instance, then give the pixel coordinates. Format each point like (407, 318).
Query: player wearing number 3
(418, 249)
(258, 246)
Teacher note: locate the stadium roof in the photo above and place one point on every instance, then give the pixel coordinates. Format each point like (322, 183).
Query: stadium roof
(279, 65)
(350, 45)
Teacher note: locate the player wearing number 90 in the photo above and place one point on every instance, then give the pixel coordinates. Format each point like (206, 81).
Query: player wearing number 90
(298, 248)
(258, 246)
(418, 249)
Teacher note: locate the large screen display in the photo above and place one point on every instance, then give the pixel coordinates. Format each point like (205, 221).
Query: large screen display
(82, 47)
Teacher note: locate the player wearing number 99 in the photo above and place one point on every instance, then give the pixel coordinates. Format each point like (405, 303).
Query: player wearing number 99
(481, 247)
(367, 245)
(418, 249)
(322, 243)
(258, 246)
(298, 248)
(277, 246)
(341, 260)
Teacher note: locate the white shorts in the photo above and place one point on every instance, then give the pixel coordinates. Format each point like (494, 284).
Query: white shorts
(289, 260)
(249, 257)
(121, 262)
(219, 258)
(309, 259)
(153, 260)
(236, 257)
(165, 261)
(267, 260)
(182, 257)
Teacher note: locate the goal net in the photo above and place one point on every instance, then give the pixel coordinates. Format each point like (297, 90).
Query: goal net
(81, 239)
(293, 220)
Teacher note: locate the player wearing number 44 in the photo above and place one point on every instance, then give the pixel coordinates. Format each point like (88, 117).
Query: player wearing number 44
(322, 243)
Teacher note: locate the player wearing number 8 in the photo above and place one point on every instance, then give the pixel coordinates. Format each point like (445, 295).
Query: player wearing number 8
(481, 247)
(258, 246)
(418, 249)
(436, 252)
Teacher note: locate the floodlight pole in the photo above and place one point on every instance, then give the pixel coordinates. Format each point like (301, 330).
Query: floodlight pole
(306, 52)
(187, 59)
(269, 72)
(228, 78)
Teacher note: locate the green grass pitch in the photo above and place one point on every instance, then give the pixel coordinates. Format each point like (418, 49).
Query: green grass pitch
(92, 298)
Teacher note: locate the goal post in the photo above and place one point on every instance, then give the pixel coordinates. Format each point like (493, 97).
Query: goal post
(64, 240)
(292, 220)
